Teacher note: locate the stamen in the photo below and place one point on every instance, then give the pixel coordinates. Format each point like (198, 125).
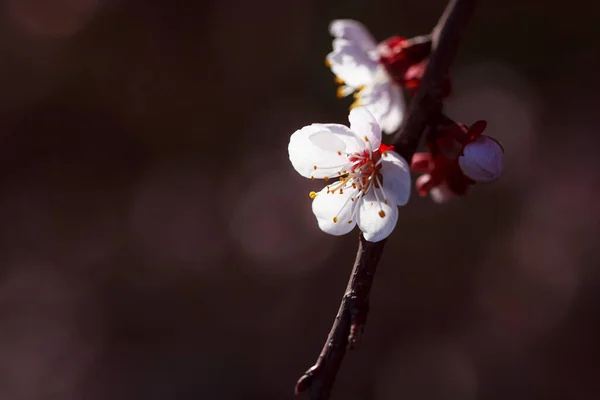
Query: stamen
(355, 206)
(381, 213)
(314, 167)
(380, 184)
(312, 195)
(344, 91)
(335, 220)
(356, 103)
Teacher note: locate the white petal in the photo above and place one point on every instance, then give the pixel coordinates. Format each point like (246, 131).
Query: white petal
(442, 193)
(352, 64)
(386, 102)
(396, 177)
(370, 221)
(364, 125)
(334, 211)
(354, 32)
(482, 159)
(324, 146)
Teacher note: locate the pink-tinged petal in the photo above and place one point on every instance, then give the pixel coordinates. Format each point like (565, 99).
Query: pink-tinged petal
(442, 193)
(482, 159)
(421, 162)
(376, 219)
(320, 150)
(424, 184)
(354, 32)
(334, 211)
(396, 177)
(352, 64)
(386, 102)
(364, 125)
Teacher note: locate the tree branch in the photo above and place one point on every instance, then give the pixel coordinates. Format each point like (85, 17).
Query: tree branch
(425, 107)
(348, 325)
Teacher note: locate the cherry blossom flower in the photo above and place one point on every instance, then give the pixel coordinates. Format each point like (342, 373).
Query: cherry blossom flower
(375, 73)
(373, 180)
(458, 158)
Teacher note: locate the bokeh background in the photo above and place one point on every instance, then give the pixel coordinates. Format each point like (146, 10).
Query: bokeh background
(155, 242)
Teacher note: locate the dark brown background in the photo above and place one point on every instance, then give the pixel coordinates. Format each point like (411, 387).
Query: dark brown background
(155, 242)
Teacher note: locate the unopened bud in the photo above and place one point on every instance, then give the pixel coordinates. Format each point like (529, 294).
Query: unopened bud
(482, 159)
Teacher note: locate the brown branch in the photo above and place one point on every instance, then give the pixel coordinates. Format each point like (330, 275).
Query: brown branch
(425, 107)
(348, 325)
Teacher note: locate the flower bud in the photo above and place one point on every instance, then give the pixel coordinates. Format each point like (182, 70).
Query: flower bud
(482, 159)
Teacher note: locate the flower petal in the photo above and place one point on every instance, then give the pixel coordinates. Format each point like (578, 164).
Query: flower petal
(364, 125)
(351, 63)
(396, 177)
(376, 219)
(386, 102)
(442, 193)
(334, 211)
(354, 32)
(320, 150)
(482, 159)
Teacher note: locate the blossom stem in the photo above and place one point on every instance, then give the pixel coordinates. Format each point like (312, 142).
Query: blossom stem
(348, 325)
(425, 109)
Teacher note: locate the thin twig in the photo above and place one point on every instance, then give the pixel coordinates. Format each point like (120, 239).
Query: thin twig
(348, 325)
(425, 107)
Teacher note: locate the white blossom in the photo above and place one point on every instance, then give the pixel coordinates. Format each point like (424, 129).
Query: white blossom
(373, 180)
(355, 62)
(482, 159)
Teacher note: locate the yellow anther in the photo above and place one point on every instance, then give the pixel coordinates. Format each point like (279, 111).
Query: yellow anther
(352, 198)
(339, 80)
(349, 221)
(312, 195)
(356, 103)
(325, 178)
(327, 63)
(354, 186)
(366, 139)
(340, 92)
(339, 153)
(381, 213)
(341, 191)
(335, 220)
(314, 167)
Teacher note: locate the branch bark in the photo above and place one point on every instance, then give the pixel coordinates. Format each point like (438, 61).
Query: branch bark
(425, 107)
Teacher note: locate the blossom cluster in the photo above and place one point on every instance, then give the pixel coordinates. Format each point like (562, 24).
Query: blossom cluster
(366, 180)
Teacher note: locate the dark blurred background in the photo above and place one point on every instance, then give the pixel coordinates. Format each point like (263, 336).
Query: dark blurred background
(155, 242)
